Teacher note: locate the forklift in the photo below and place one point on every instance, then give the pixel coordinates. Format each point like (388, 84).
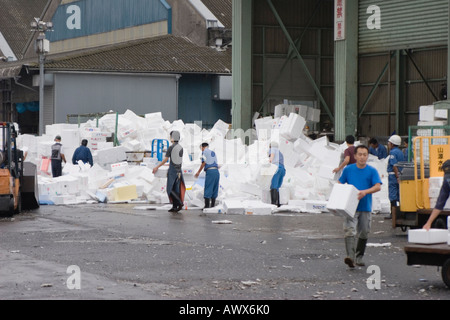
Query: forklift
(429, 153)
(18, 180)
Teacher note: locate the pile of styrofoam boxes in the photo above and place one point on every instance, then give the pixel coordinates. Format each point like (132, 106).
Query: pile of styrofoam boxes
(308, 113)
(245, 172)
(429, 116)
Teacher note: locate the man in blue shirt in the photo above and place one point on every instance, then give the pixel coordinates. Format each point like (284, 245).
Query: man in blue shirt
(209, 164)
(367, 180)
(395, 156)
(83, 153)
(377, 149)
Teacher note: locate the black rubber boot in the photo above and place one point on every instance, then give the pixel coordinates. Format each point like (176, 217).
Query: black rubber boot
(360, 249)
(213, 202)
(350, 248)
(207, 203)
(274, 196)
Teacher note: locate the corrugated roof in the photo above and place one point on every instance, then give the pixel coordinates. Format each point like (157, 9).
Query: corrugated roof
(15, 18)
(222, 9)
(165, 54)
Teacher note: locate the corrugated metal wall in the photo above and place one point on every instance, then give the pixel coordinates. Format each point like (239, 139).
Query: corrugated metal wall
(402, 24)
(82, 18)
(418, 29)
(310, 24)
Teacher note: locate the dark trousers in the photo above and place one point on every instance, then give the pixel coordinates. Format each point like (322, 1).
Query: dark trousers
(56, 168)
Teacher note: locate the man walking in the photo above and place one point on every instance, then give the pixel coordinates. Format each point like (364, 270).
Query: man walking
(367, 180)
(349, 153)
(82, 153)
(57, 157)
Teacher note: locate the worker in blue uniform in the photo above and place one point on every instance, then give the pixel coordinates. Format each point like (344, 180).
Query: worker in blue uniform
(377, 149)
(276, 158)
(83, 153)
(209, 164)
(395, 156)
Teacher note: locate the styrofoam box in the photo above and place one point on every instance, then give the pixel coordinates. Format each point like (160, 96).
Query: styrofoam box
(292, 127)
(316, 205)
(440, 114)
(326, 172)
(258, 211)
(431, 236)
(448, 239)
(162, 172)
(233, 207)
(426, 113)
(343, 200)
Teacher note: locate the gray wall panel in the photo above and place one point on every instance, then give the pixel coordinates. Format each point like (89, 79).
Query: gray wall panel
(92, 93)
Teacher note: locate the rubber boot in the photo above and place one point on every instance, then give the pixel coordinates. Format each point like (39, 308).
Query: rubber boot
(360, 249)
(213, 202)
(274, 196)
(278, 198)
(350, 248)
(207, 204)
(177, 203)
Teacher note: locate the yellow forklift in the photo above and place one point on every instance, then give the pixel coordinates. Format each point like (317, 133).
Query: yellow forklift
(429, 153)
(18, 180)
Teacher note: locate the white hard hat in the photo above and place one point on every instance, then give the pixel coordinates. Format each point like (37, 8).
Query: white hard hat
(395, 139)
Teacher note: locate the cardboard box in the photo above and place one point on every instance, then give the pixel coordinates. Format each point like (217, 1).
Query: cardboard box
(343, 200)
(124, 193)
(431, 236)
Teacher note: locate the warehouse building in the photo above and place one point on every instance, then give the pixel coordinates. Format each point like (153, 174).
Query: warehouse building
(367, 65)
(141, 59)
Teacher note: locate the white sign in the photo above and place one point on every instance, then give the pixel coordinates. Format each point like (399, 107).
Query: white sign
(339, 20)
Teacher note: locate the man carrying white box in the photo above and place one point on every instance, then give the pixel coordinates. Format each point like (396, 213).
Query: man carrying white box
(367, 180)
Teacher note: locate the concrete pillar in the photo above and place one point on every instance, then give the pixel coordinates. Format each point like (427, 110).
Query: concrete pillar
(242, 65)
(346, 75)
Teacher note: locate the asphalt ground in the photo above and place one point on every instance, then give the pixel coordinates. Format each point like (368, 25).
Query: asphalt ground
(116, 252)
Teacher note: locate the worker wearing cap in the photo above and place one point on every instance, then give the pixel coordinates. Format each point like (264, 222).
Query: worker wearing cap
(395, 156)
(209, 164)
(444, 193)
(57, 157)
(276, 158)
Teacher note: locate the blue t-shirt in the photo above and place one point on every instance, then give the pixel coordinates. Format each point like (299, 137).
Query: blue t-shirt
(209, 157)
(362, 179)
(396, 155)
(279, 158)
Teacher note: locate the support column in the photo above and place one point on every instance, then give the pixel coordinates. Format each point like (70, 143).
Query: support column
(241, 110)
(346, 75)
